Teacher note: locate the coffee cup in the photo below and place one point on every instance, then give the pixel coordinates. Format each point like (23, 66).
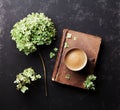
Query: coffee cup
(75, 59)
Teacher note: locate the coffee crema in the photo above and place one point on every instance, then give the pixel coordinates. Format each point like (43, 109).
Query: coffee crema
(75, 59)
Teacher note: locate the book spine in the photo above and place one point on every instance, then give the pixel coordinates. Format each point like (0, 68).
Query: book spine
(56, 66)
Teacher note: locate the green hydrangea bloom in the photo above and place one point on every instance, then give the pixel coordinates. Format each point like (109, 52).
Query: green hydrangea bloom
(25, 78)
(89, 82)
(34, 30)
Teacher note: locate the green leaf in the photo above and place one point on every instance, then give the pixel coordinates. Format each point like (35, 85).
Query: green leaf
(68, 76)
(69, 36)
(24, 89)
(52, 54)
(55, 49)
(66, 45)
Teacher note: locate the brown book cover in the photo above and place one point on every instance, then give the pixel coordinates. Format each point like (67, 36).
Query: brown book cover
(90, 44)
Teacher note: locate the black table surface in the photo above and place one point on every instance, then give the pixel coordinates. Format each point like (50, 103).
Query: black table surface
(97, 17)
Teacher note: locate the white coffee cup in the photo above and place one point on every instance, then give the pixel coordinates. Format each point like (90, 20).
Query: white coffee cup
(75, 59)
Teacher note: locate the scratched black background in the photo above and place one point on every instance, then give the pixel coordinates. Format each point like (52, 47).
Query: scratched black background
(97, 17)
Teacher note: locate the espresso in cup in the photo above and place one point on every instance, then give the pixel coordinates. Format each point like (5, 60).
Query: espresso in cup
(75, 59)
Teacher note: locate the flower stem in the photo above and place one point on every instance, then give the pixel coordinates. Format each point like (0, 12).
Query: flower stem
(45, 76)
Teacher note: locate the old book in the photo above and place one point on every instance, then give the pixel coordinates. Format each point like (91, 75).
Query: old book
(90, 44)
